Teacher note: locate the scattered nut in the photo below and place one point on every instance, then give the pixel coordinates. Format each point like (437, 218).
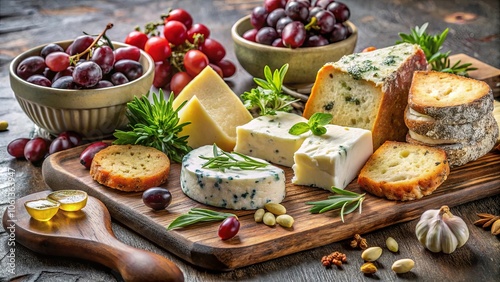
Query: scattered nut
(368, 268)
(403, 265)
(335, 258)
(3, 125)
(359, 242)
(392, 245)
(285, 220)
(495, 228)
(259, 215)
(269, 219)
(371, 254)
(276, 209)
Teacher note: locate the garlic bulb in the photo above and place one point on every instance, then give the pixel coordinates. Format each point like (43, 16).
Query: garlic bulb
(441, 231)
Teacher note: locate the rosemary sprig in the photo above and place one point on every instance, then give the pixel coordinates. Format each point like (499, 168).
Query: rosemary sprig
(155, 125)
(268, 97)
(346, 201)
(223, 160)
(316, 124)
(196, 215)
(431, 45)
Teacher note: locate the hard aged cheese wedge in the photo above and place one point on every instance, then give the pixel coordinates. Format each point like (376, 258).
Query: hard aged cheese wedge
(267, 137)
(232, 188)
(368, 90)
(332, 159)
(222, 108)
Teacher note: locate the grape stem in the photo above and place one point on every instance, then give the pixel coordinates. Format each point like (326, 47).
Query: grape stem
(76, 57)
(312, 24)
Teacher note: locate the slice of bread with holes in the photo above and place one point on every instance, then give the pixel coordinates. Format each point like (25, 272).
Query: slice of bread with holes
(130, 167)
(403, 171)
(368, 90)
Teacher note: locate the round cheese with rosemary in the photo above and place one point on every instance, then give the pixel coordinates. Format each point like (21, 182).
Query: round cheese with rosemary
(231, 188)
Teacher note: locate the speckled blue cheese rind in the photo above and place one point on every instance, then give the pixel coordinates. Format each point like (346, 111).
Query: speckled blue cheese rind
(267, 137)
(332, 159)
(232, 189)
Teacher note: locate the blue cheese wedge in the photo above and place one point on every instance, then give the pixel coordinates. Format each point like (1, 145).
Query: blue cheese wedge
(267, 137)
(332, 159)
(232, 188)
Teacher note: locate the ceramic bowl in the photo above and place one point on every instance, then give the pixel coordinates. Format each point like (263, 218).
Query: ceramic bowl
(94, 113)
(304, 62)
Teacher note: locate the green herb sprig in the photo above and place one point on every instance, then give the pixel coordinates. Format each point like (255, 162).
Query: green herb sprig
(223, 160)
(196, 215)
(346, 201)
(431, 45)
(316, 124)
(268, 97)
(155, 125)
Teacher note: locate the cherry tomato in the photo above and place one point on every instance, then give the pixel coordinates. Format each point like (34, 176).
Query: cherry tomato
(200, 29)
(194, 62)
(137, 39)
(227, 67)
(213, 49)
(180, 15)
(158, 48)
(179, 81)
(175, 32)
(229, 228)
(163, 74)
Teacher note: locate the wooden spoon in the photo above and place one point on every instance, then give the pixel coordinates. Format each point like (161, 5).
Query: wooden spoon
(87, 234)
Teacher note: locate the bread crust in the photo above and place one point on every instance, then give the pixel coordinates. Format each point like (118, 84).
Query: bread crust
(469, 100)
(387, 174)
(130, 167)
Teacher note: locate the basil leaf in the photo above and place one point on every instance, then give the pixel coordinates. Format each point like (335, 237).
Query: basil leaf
(299, 128)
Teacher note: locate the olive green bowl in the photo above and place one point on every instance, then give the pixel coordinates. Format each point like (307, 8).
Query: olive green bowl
(304, 63)
(94, 113)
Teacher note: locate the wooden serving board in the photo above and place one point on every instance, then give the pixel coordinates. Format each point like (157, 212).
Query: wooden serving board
(256, 242)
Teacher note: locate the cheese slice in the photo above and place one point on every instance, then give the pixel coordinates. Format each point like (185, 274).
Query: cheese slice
(332, 159)
(232, 188)
(267, 137)
(222, 108)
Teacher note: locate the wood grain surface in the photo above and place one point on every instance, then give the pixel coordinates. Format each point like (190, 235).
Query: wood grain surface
(200, 245)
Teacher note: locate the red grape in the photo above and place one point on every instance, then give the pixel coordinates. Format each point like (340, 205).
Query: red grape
(258, 17)
(64, 82)
(316, 41)
(280, 25)
(74, 137)
(36, 149)
(137, 39)
(200, 29)
(266, 35)
(130, 68)
(340, 11)
(30, 66)
(50, 48)
(250, 34)
(294, 34)
(57, 61)
(67, 72)
(297, 11)
(104, 57)
(88, 154)
(80, 44)
(103, 84)
(325, 21)
(128, 52)
(60, 143)
(213, 49)
(194, 62)
(158, 48)
(229, 228)
(163, 74)
(119, 78)
(39, 79)
(175, 32)
(271, 5)
(16, 147)
(157, 198)
(87, 74)
(339, 32)
(323, 3)
(179, 81)
(275, 16)
(227, 67)
(180, 15)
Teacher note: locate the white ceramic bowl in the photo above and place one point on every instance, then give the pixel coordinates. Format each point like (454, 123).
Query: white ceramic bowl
(94, 113)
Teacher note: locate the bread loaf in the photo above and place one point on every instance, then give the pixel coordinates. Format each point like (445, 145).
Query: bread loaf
(130, 167)
(403, 171)
(368, 90)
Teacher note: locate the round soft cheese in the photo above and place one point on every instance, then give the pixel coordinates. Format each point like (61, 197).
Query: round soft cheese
(232, 188)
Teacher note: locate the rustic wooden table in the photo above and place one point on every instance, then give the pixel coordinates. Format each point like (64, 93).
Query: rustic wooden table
(25, 24)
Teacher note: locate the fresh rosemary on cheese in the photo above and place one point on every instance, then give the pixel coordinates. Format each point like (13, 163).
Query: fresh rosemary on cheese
(222, 160)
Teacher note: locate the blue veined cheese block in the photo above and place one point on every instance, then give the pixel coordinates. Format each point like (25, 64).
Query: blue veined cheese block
(267, 137)
(233, 188)
(332, 159)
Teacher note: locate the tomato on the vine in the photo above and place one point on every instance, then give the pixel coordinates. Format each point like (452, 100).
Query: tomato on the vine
(175, 32)
(137, 39)
(158, 48)
(179, 81)
(213, 49)
(200, 29)
(194, 62)
(180, 15)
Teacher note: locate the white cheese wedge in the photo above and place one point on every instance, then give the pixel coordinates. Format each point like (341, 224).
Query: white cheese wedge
(222, 109)
(233, 188)
(267, 137)
(332, 159)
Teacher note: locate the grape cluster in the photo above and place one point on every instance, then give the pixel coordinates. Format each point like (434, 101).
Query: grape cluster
(180, 50)
(299, 23)
(85, 64)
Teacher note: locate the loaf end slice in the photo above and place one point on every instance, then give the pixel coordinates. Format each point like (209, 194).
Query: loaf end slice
(403, 171)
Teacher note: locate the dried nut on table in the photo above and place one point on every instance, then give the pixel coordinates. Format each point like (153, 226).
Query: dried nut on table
(359, 242)
(368, 268)
(335, 258)
(487, 220)
(403, 265)
(392, 244)
(371, 254)
(3, 125)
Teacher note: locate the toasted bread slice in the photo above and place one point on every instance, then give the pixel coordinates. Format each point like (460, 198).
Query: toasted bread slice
(130, 167)
(403, 171)
(449, 97)
(452, 133)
